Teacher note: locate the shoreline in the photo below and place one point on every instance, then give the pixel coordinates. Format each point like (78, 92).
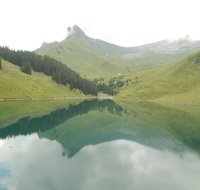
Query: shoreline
(99, 97)
(167, 103)
(52, 99)
(42, 99)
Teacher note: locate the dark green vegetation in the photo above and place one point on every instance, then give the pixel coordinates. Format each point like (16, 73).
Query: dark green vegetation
(177, 84)
(51, 67)
(0, 63)
(93, 122)
(26, 68)
(95, 58)
(59, 72)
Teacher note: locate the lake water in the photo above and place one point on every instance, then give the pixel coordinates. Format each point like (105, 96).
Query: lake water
(98, 145)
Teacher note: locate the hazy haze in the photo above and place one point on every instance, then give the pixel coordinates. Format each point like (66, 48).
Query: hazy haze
(25, 24)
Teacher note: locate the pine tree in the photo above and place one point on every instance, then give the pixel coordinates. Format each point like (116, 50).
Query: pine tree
(0, 64)
(26, 68)
(59, 72)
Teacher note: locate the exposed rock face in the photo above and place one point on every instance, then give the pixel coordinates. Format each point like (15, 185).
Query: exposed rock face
(76, 31)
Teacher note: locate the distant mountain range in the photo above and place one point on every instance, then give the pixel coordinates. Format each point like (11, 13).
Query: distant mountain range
(95, 58)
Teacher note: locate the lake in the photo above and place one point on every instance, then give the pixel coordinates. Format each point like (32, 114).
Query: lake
(99, 145)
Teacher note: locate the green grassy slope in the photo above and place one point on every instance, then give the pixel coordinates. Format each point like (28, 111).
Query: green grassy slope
(15, 84)
(95, 58)
(80, 55)
(179, 83)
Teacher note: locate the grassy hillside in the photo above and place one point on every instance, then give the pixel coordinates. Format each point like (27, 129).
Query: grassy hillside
(80, 55)
(15, 84)
(94, 58)
(178, 84)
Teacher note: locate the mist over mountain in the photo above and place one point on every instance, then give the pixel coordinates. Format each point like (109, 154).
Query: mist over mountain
(95, 58)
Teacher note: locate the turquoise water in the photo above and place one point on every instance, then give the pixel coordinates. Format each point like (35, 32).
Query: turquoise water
(102, 145)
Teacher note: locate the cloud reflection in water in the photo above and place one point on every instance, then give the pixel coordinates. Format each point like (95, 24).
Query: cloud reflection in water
(36, 163)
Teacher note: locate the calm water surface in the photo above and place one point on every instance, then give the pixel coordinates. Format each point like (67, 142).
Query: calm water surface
(99, 145)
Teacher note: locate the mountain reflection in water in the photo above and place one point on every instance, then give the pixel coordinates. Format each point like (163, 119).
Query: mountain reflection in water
(97, 121)
(100, 144)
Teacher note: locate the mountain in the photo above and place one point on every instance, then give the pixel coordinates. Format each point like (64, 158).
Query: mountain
(15, 84)
(83, 55)
(95, 58)
(179, 83)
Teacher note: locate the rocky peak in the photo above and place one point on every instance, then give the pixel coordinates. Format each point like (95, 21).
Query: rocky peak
(76, 31)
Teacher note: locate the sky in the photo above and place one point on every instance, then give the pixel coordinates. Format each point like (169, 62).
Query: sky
(26, 24)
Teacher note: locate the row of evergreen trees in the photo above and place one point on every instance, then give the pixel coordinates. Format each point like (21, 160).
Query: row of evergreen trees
(0, 64)
(58, 71)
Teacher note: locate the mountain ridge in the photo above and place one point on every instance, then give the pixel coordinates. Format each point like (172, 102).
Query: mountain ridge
(179, 83)
(97, 58)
